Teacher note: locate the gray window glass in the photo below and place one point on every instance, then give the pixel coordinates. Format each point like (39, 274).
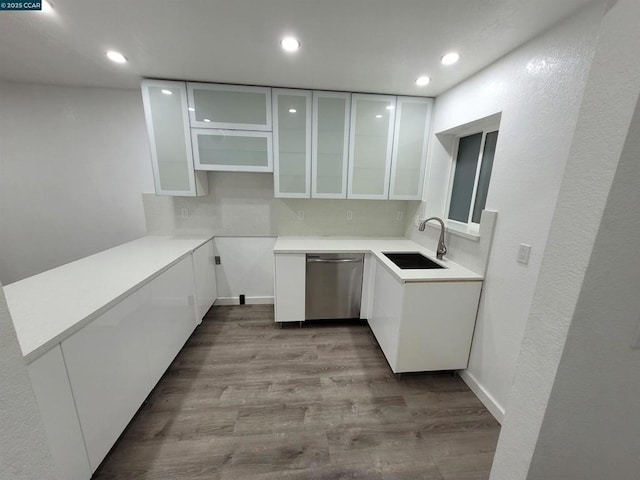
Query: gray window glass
(464, 177)
(485, 175)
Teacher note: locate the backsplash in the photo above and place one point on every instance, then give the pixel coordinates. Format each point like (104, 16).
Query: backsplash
(242, 204)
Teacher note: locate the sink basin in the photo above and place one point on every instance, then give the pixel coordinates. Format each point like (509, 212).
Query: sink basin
(411, 260)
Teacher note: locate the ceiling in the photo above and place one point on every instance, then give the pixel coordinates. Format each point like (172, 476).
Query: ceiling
(378, 46)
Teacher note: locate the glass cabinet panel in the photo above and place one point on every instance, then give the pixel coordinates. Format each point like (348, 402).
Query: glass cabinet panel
(292, 143)
(165, 106)
(413, 115)
(330, 144)
(229, 106)
(372, 122)
(232, 150)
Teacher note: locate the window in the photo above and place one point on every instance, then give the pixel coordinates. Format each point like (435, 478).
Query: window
(474, 161)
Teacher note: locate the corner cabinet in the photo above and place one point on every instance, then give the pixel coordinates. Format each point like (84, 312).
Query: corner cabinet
(370, 145)
(410, 140)
(330, 144)
(292, 143)
(166, 114)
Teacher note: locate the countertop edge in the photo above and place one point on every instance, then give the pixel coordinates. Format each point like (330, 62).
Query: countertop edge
(463, 275)
(33, 354)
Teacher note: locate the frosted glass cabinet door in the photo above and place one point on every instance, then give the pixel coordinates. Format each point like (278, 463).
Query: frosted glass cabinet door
(330, 144)
(232, 150)
(229, 106)
(292, 143)
(165, 107)
(372, 123)
(410, 139)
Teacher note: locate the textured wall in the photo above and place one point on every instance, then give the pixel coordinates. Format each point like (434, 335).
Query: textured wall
(73, 162)
(538, 89)
(587, 293)
(24, 454)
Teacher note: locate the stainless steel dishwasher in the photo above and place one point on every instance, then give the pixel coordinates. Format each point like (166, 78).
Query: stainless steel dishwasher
(333, 285)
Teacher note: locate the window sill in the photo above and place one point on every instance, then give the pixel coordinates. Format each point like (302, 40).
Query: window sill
(463, 231)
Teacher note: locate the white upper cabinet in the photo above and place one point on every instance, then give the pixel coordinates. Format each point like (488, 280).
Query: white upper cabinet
(229, 106)
(371, 139)
(330, 144)
(292, 143)
(232, 150)
(166, 109)
(410, 140)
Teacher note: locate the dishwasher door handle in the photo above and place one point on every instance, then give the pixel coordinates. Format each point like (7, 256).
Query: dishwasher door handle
(333, 260)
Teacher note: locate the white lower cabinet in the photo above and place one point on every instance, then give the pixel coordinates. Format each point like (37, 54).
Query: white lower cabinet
(290, 271)
(115, 361)
(205, 276)
(58, 412)
(423, 326)
(168, 307)
(109, 374)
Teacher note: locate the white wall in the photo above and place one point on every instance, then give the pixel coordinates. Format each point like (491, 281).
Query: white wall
(241, 212)
(24, 454)
(73, 162)
(575, 395)
(538, 89)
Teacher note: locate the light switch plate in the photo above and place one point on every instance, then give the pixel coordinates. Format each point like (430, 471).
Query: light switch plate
(523, 253)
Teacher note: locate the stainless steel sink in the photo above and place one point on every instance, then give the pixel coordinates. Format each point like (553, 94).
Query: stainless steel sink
(411, 260)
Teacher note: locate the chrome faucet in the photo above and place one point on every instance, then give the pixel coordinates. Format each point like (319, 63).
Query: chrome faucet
(442, 248)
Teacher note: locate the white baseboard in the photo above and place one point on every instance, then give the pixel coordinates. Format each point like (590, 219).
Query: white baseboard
(485, 397)
(248, 301)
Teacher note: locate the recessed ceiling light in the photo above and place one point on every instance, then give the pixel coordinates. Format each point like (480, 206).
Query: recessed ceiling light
(390, 107)
(166, 92)
(116, 57)
(290, 44)
(450, 58)
(422, 81)
(191, 109)
(378, 116)
(292, 110)
(206, 120)
(46, 7)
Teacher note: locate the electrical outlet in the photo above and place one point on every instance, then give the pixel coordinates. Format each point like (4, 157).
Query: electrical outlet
(185, 213)
(523, 253)
(216, 259)
(349, 215)
(300, 214)
(400, 216)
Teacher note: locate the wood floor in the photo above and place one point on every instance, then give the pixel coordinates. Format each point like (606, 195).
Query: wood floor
(245, 399)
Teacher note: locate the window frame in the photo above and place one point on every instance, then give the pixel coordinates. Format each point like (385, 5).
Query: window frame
(486, 129)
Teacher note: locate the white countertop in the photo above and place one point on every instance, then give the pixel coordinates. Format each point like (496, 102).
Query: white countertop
(51, 306)
(376, 246)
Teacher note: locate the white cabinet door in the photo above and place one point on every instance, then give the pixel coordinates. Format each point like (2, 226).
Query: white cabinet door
(290, 274)
(229, 106)
(330, 144)
(53, 393)
(168, 307)
(410, 140)
(109, 374)
(386, 317)
(232, 150)
(371, 138)
(205, 275)
(165, 107)
(292, 143)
